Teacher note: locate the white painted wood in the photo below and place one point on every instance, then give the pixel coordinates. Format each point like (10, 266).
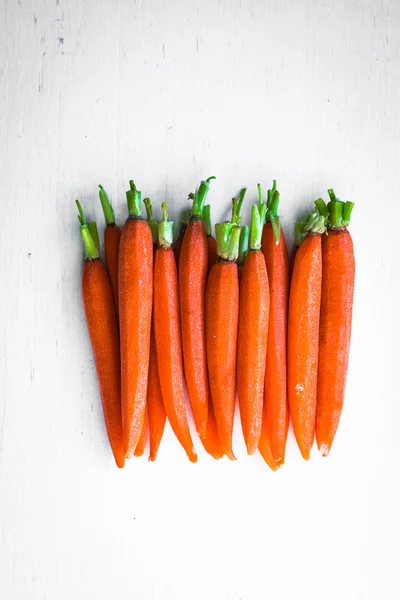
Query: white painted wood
(168, 92)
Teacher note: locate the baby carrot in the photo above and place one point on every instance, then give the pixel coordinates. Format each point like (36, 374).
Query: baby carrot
(103, 331)
(192, 283)
(338, 271)
(155, 406)
(135, 308)
(276, 408)
(144, 436)
(222, 313)
(253, 334)
(112, 236)
(167, 332)
(303, 331)
(243, 248)
(211, 241)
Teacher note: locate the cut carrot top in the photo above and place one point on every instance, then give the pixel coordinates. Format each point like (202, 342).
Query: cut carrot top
(106, 205)
(200, 197)
(153, 223)
(134, 200)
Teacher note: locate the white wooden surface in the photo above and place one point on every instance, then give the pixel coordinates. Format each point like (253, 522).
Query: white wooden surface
(307, 91)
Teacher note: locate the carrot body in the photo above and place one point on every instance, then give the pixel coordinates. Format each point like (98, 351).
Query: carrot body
(167, 332)
(338, 270)
(264, 447)
(276, 408)
(212, 252)
(144, 437)
(222, 311)
(112, 236)
(252, 346)
(192, 282)
(155, 406)
(104, 337)
(135, 308)
(303, 331)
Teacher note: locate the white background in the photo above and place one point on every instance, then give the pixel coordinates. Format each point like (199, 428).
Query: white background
(306, 91)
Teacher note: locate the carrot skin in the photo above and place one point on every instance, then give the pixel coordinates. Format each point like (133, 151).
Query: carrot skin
(167, 332)
(112, 236)
(155, 406)
(303, 340)
(103, 331)
(338, 272)
(222, 314)
(276, 407)
(144, 437)
(264, 447)
(192, 284)
(252, 346)
(135, 307)
(212, 252)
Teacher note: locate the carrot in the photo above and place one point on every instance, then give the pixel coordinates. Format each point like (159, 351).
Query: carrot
(276, 408)
(177, 245)
(222, 313)
(211, 241)
(192, 282)
(155, 406)
(112, 236)
(135, 273)
(338, 271)
(253, 334)
(303, 330)
(243, 248)
(103, 331)
(167, 332)
(144, 436)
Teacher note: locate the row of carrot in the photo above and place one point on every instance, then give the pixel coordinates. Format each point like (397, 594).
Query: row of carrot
(218, 313)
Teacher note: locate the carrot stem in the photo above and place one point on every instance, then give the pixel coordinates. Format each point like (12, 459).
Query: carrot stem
(153, 223)
(134, 200)
(257, 224)
(228, 235)
(207, 219)
(322, 207)
(165, 229)
(91, 250)
(200, 197)
(81, 215)
(106, 205)
(347, 210)
(94, 233)
(244, 243)
(299, 233)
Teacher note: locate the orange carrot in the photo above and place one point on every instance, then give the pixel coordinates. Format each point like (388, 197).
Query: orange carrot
(135, 308)
(222, 313)
(211, 241)
(253, 334)
(192, 281)
(303, 331)
(103, 331)
(276, 407)
(338, 271)
(141, 446)
(112, 236)
(155, 406)
(243, 249)
(167, 332)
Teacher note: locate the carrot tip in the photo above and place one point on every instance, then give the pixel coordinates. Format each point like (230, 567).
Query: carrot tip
(324, 448)
(192, 456)
(305, 454)
(230, 455)
(120, 462)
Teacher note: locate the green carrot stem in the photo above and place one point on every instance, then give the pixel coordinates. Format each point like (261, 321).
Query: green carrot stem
(200, 197)
(299, 233)
(335, 213)
(91, 250)
(106, 205)
(134, 200)
(153, 223)
(165, 229)
(227, 235)
(322, 207)
(260, 194)
(94, 233)
(81, 215)
(257, 224)
(347, 210)
(237, 206)
(244, 243)
(315, 223)
(207, 219)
